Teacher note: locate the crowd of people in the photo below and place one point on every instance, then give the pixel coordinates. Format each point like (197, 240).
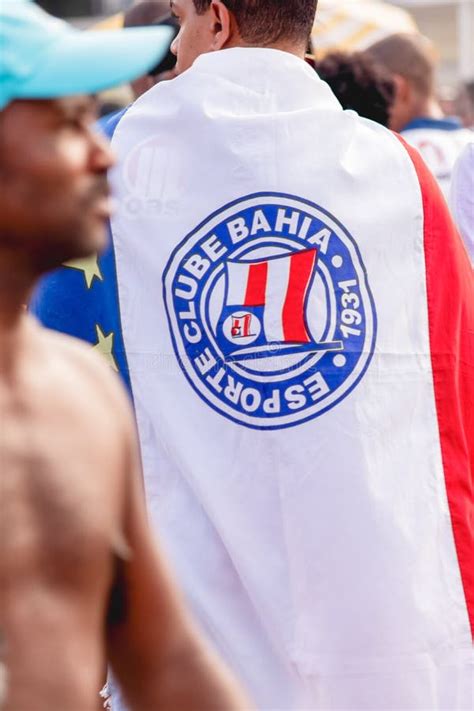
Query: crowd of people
(274, 508)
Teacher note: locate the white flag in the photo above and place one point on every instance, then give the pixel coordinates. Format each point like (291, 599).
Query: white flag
(297, 315)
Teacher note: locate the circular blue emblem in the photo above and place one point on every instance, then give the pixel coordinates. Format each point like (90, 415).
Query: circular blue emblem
(270, 311)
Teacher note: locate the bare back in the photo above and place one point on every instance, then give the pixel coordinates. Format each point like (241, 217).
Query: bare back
(63, 444)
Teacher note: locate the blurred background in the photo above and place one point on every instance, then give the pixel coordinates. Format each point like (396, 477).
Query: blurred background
(349, 25)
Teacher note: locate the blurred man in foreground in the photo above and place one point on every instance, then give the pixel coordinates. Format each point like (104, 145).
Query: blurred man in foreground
(80, 579)
(297, 316)
(416, 113)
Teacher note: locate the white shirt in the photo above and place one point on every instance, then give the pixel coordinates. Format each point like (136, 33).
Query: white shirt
(462, 197)
(440, 141)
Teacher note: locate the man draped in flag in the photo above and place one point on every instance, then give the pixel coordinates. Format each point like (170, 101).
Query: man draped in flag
(297, 316)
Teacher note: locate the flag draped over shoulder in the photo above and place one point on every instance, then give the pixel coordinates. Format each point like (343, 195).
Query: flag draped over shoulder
(297, 314)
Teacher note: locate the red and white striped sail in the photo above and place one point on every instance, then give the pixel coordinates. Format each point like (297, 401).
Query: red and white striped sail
(280, 286)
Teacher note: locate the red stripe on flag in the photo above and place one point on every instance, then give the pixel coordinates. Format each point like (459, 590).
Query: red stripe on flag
(450, 296)
(301, 268)
(256, 284)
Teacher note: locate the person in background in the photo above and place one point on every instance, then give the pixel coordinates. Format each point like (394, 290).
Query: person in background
(81, 579)
(416, 113)
(462, 197)
(359, 83)
(465, 104)
(143, 14)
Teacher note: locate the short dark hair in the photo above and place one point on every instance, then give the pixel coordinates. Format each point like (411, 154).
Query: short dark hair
(264, 22)
(359, 83)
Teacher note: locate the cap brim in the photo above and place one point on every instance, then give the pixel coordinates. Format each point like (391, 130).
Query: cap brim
(88, 62)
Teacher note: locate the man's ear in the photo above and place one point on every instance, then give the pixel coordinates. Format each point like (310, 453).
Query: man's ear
(222, 24)
(402, 88)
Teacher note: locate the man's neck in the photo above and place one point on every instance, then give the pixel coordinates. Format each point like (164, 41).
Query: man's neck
(283, 46)
(16, 282)
(430, 109)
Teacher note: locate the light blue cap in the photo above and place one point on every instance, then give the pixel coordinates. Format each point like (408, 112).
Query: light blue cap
(42, 57)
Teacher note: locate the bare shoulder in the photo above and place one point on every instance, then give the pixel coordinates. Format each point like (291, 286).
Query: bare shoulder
(78, 355)
(75, 362)
(83, 401)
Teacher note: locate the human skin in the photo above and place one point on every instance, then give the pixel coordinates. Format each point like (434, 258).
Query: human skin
(143, 84)
(197, 33)
(211, 31)
(58, 212)
(81, 580)
(410, 104)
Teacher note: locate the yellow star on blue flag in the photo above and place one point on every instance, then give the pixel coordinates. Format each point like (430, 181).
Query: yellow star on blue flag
(88, 266)
(105, 346)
